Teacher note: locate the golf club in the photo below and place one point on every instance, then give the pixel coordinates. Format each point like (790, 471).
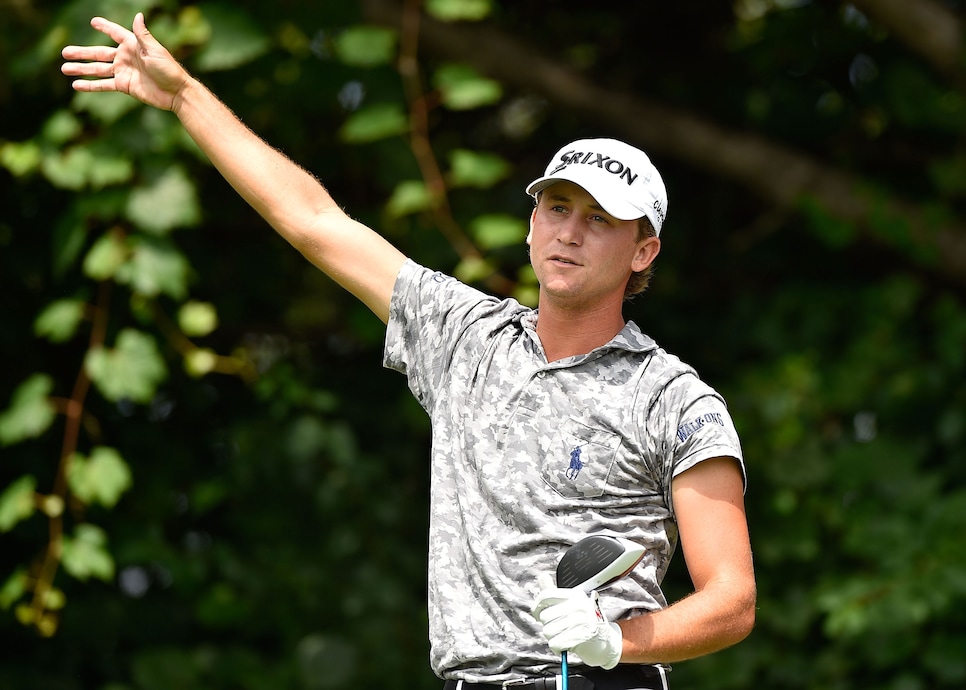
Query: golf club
(593, 563)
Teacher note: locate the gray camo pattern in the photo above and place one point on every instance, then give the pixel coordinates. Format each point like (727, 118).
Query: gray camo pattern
(505, 500)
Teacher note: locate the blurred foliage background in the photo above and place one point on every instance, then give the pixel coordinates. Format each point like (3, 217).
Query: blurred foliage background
(208, 481)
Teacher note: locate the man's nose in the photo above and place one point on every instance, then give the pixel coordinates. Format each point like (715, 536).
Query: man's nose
(570, 231)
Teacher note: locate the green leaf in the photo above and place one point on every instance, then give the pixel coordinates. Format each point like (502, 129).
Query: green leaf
(67, 242)
(459, 10)
(473, 269)
(14, 588)
(473, 169)
(235, 39)
(95, 166)
(155, 267)
(85, 554)
(410, 196)
(189, 28)
(133, 369)
(17, 502)
(104, 108)
(30, 413)
(168, 202)
(498, 230)
(59, 321)
(197, 319)
(106, 256)
(20, 158)
(102, 478)
(61, 127)
(462, 87)
(68, 169)
(366, 46)
(374, 122)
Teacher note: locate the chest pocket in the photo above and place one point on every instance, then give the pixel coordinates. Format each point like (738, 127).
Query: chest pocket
(579, 459)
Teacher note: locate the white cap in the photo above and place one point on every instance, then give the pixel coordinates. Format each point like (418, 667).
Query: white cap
(621, 178)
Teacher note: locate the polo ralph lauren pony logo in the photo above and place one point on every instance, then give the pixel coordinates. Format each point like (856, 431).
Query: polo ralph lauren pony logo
(576, 464)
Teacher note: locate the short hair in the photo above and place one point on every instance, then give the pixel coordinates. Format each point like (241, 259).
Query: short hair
(640, 280)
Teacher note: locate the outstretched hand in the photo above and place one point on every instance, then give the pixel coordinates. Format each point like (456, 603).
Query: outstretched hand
(139, 66)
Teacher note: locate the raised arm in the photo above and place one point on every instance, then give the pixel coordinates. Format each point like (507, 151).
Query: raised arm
(285, 195)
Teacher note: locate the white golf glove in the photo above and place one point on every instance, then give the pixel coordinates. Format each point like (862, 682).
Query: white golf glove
(572, 621)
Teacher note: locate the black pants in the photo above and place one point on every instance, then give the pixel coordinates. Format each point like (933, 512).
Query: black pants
(622, 677)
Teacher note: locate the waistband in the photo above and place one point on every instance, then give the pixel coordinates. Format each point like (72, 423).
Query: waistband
(621, 677)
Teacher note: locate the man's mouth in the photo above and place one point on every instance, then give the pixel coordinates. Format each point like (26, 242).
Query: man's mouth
(563, 260)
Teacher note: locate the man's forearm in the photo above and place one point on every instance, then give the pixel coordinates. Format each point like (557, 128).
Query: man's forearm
(283, 193)
(699, 624)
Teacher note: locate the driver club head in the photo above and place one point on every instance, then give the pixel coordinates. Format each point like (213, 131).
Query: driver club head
(597, 561)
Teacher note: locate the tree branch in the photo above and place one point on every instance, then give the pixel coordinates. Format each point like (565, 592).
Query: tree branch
(926, 28)
(782, 177)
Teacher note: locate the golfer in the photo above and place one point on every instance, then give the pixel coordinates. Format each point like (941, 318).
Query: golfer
(511, 392)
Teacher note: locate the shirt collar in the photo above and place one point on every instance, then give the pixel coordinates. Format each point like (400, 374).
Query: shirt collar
(630, 338)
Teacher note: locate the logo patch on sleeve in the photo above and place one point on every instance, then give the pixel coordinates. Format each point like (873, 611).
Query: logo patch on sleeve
(688, 428)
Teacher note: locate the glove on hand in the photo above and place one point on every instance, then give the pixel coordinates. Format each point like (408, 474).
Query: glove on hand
(572, 621)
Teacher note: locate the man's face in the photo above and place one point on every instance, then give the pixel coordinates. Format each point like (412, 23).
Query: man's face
(582, 255)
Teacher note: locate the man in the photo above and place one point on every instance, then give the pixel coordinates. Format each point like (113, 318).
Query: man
(548, 425)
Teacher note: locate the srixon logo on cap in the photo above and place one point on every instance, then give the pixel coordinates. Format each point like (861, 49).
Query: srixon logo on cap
(611, 165)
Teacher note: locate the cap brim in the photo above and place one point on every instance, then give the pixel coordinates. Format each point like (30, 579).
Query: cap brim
(603, 194)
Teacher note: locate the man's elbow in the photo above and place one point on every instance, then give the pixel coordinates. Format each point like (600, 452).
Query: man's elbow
(744, 618)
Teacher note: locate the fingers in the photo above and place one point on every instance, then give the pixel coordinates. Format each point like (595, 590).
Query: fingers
(87, 61)
(116, 32)
(89, 53)
(551, 597)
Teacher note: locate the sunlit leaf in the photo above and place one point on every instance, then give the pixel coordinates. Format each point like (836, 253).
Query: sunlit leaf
(374, 122)
(68, 170)
(155, 267)
(189, 27)
(366, 46)
(13, 588)
(102, 478)
(409, 196)
(235, 39)
(105, 108)
(498, 230)
(474, 169)
(167, 202)
(85, 554)
(93, 166)
(133, 369)
(30, 413)
(459, 10)
(106, 256)
(462, 87)
(17, 502)
(59, 321)
(61, 127)
(473, 269)
(20, 158)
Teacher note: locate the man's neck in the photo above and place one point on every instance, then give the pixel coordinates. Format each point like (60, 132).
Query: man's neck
(567, 333)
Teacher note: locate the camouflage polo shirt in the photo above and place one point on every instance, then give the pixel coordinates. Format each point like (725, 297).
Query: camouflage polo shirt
(528, 457)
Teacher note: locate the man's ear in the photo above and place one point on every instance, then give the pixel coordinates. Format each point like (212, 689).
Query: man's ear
(647, 251)
(533, 214)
